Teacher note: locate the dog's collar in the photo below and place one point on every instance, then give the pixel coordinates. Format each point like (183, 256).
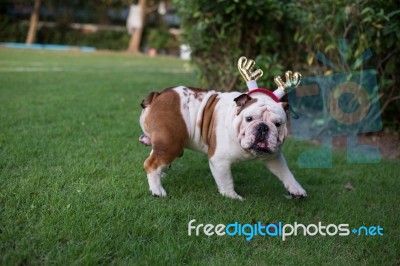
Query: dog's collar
(265, 91)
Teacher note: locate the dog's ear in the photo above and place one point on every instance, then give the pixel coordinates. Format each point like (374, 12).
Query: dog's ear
(243, 101)
(149, 98)
(282, 133)
(283, 130)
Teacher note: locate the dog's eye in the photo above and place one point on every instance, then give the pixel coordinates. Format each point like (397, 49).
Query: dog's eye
(249, 119)
(277, 124)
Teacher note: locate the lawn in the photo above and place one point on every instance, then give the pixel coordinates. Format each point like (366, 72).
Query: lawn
(73, 189)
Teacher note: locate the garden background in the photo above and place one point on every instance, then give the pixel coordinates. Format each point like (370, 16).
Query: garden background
(73, 189)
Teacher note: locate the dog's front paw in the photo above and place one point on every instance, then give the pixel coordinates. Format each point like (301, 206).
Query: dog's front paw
(295, 190)
(232, 195)
(158, 192)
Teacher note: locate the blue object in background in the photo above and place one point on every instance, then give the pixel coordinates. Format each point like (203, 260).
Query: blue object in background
(339, 104)
(52, 47)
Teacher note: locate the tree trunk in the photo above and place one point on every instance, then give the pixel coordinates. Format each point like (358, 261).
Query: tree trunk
(33, 25)
(134, 43)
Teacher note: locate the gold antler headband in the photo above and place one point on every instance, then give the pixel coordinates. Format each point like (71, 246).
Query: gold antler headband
(245, 67)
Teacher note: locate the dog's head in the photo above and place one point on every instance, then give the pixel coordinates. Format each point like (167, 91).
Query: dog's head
(260, 123)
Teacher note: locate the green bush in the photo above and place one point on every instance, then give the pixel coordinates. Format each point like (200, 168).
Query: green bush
(373, 25)
(104, 39)
(219, 32)
(287, 35)
(13, 31)
(158, 38)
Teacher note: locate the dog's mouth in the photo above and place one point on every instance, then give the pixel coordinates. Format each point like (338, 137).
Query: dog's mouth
(260, 140)
(261, 147)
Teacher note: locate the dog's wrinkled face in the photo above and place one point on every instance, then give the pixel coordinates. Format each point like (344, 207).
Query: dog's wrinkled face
(260, 124)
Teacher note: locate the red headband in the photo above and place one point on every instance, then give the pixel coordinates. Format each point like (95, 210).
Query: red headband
(265, 91)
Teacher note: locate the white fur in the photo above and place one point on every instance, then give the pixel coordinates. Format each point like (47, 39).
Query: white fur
(154, 179)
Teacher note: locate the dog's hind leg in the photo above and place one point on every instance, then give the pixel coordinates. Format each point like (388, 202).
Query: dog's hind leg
(165, 128)
(154, 169)
(162, 155)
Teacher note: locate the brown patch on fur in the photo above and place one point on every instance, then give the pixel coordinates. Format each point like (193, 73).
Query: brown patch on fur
(243, 101)
(198, 90)
(208, 124)
(198, 93)
(166, 128)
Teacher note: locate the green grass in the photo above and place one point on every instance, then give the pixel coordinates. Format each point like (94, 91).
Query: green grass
(73, 189)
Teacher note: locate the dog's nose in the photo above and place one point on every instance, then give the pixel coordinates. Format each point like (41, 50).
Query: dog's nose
(262, 128)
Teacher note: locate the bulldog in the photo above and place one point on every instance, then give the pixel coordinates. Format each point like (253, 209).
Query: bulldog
(227, 127)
